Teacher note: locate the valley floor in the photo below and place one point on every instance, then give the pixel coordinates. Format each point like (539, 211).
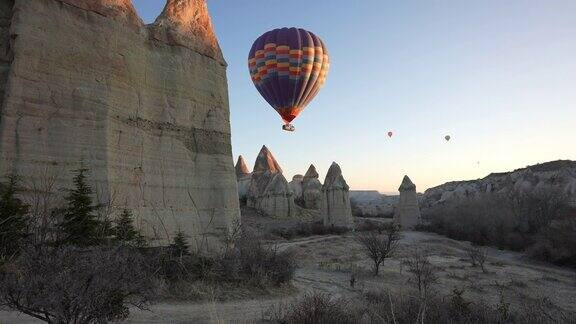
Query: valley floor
(326, 263)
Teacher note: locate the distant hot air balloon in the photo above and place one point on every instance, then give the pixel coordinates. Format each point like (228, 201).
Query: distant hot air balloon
(288, 67)
(390, 134)
(447, 138)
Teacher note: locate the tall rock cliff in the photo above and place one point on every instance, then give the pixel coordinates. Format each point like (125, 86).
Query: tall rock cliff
(407, 213)
(144, 107)
(336, 208)
(269, 191)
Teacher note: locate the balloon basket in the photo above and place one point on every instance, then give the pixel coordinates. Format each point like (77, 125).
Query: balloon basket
(288, 127)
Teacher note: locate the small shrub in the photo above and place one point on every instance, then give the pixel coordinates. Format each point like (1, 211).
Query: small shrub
(124, 230)
(179, 246)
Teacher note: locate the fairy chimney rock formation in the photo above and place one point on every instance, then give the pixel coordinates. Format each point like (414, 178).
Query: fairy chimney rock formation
(296, 185)
(269, 190)
(335, 199)
(265, 162)
(243, 176)
(407, 213)
(312, 189)
(241, 168)
(144, 107)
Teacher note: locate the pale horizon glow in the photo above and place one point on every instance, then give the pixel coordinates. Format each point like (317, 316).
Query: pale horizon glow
(498, 76)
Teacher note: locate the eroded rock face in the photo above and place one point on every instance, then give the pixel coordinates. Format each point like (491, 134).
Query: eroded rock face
(407, 213)
(335, 199)
(269, 191)
(311, 189)
(145, 108)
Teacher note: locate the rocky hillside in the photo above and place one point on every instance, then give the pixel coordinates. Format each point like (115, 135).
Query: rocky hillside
(371, 203)
(556, 175)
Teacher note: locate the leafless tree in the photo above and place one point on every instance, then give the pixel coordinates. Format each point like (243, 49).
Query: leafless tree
(43, 198)
(379, 247)
(478, 256)
(71, 285)
(423, 276)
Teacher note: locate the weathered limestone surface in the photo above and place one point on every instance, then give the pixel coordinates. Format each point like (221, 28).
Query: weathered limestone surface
(144, 107)
(335, 199)
(244, 177)
(407, 213)
(312, 189)
(269, 191)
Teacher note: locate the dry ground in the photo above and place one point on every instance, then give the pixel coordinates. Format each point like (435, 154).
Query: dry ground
(326, 263)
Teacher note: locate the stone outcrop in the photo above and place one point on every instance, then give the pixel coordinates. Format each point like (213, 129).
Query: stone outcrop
(407, 213)
(311, 189)
(336, 209)
(559, 176)
(144, 107)
(269, 191)
(243, 176)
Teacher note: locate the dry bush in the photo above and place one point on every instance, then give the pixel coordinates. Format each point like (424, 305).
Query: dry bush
(309, 229)
(247, 263)
(314, 308)
(379, 247)
(250, 260)
(381, 306)
(478, 256)
(72, 285)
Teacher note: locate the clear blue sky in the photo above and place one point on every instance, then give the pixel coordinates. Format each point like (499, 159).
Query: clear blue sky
(497, 75)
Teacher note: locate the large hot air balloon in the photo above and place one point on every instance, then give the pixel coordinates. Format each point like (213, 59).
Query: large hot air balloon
(288, 67)
(390, 134)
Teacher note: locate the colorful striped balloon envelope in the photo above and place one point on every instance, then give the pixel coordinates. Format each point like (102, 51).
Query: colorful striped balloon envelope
(289, 67)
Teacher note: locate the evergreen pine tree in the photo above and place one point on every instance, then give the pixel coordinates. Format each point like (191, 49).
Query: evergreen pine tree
(179, 246)
(13, 218)
(124, 230)
(80, 224)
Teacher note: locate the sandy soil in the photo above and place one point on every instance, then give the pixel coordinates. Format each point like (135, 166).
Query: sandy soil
(326, 263)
